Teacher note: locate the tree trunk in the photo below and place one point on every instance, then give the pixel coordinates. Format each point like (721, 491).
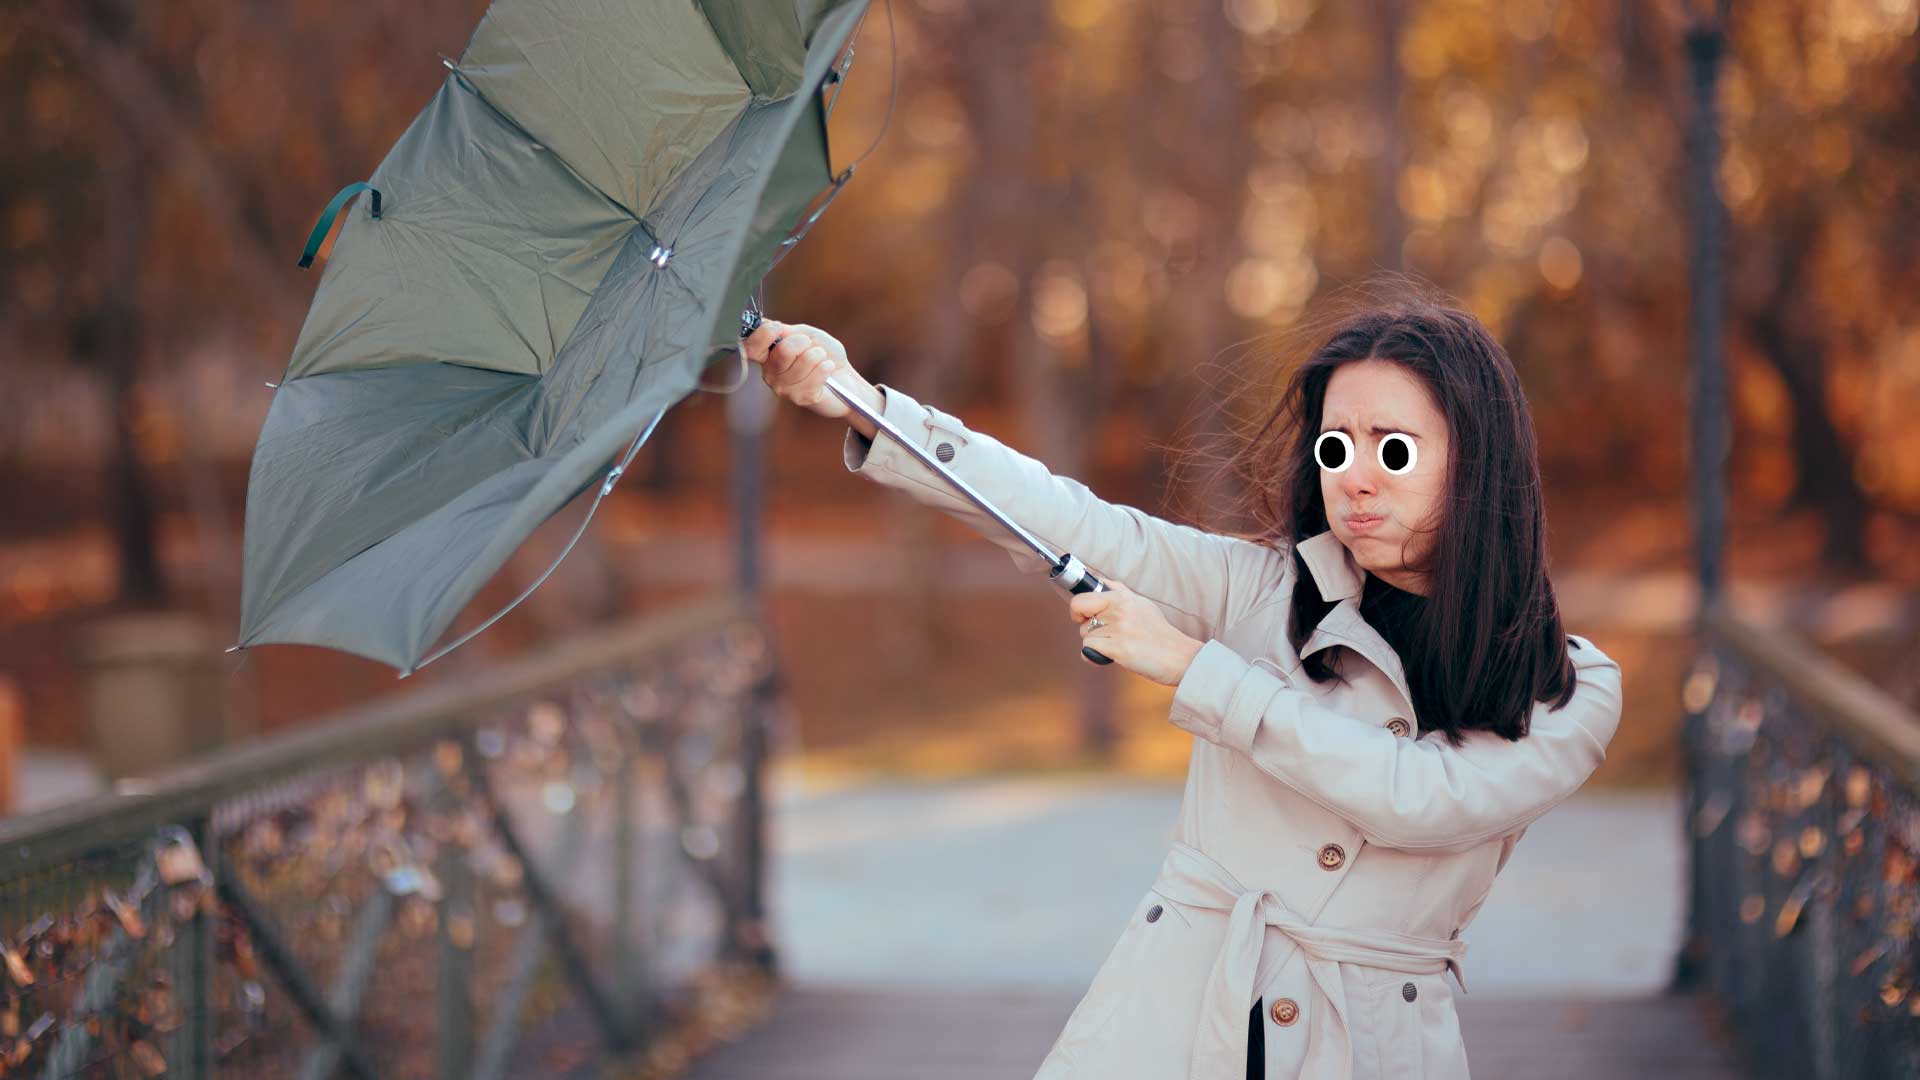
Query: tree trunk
(986, 223)
(1389, 16)
(1824, 464)
(1214, 175)
(1789, 338)
(117, 340)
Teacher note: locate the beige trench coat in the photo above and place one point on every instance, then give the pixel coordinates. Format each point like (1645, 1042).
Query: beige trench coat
(1326, 858)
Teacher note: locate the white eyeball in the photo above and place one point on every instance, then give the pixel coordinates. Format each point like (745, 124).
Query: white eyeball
(1337, 457)
(1393, 448)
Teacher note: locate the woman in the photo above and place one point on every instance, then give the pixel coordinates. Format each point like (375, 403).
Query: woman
(1344, 814)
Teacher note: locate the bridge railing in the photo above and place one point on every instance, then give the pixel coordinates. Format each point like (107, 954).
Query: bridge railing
(419, 887)
(1805, 826)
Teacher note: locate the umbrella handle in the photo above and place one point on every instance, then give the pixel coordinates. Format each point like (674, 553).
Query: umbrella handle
(1073, 575)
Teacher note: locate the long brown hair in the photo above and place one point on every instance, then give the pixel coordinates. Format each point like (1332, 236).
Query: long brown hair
(1486, 641)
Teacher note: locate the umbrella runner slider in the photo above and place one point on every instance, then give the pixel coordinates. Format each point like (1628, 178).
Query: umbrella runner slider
(1068, 572)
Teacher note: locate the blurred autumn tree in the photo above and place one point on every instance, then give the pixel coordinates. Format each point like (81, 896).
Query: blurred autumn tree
(1823, 184)
(1115, 193)
(1083, 208)
(171, 159)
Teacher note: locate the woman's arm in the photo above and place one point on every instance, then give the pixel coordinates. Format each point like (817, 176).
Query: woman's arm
(1197, 578)
(1412, 794)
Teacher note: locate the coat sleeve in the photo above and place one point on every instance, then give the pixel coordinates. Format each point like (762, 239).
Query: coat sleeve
(1197, 579)
(1411, 794)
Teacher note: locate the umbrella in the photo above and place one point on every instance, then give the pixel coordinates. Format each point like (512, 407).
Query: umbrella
(547, 259)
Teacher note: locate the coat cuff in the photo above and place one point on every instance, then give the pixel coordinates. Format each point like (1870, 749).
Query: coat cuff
(865, 457)
(1222, 697)
(857, 450)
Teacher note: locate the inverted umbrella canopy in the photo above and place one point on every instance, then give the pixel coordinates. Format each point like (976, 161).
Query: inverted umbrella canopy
(555, 249)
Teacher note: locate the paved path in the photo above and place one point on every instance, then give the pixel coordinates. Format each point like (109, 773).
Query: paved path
(828, 1033)
(914, 951)
(951, 885)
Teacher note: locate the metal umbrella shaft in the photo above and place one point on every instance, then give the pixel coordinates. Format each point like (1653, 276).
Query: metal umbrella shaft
(1068, 572)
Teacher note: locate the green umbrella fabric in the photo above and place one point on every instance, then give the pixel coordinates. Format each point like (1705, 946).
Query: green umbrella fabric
(555, 249)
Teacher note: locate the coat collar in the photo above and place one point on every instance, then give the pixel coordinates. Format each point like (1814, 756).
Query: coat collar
(1334, 570)
(1339, 578)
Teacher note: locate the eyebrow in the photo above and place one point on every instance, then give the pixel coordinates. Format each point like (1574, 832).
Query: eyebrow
(1375, 429)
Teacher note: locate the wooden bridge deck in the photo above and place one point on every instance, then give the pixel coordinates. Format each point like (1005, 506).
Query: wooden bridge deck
(832, 1033)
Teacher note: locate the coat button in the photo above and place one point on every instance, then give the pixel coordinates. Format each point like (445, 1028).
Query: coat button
(1285, 1011)
(1153, 913)
(944, 452)
(1409, 991)
(1398, 726)
(1331, 856)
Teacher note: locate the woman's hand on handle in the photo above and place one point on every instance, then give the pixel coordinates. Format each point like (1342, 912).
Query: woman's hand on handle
(1133, 632)
(796, 361)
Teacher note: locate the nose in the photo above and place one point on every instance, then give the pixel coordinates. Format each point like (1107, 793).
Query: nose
(1359, 481)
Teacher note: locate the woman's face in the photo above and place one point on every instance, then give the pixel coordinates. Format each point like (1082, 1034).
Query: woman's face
(1385, 413)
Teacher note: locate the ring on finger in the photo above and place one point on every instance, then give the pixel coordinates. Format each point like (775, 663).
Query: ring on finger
(1094, 623)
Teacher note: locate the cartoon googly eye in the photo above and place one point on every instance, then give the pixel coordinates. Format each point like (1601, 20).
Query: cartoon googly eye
(1393, 449)
(1333, 450)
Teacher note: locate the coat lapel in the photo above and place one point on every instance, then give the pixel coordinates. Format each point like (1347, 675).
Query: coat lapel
(1339, 578)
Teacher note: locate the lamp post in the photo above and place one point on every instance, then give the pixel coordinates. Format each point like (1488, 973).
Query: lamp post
(1708, 419)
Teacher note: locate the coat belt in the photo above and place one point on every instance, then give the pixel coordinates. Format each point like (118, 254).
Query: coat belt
(1189, 876)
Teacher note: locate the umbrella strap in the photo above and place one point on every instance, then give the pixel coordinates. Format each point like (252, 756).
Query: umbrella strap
(325, 225)
(606, 486)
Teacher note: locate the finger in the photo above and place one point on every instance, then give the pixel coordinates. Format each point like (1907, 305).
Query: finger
(819, 362)
(757, 344)
(1087, 605)
(809, 374)
(761, 339)
(781, 356)
(827, 341)
(785, 354)
(821, 368)
(824, 368)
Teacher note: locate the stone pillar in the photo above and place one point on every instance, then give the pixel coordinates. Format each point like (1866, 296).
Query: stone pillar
(155, 691)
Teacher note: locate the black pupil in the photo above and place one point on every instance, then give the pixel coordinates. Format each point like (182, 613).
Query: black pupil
(1333, 452)
(1394, 452)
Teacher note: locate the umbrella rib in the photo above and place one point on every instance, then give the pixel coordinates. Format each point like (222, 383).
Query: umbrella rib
(532, 138)
(564, 100)
(651, 233)
(606, 486)
(755, 95)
